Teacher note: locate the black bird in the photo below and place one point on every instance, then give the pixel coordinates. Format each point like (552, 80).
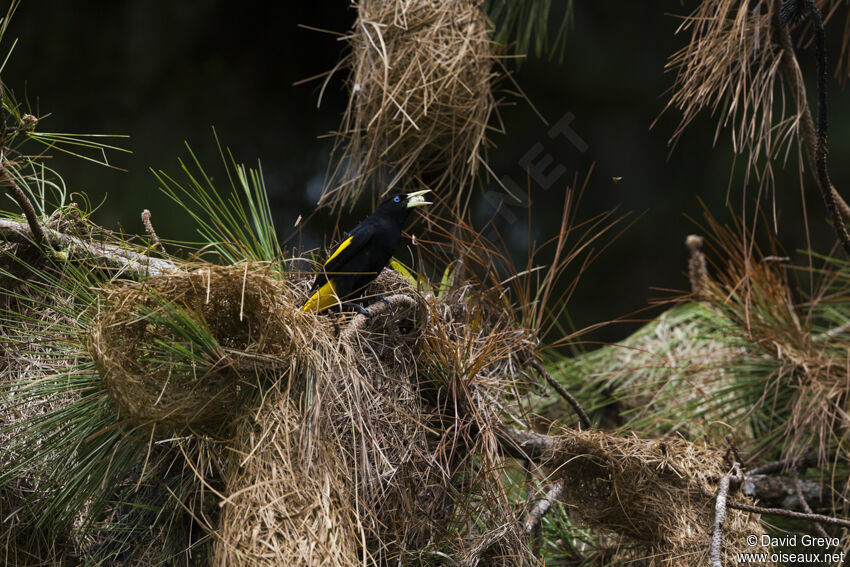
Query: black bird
(362, 254)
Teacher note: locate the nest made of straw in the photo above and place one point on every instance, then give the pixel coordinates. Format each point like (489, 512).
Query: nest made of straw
(420, 97)
(322, 469)
(279, 511)
(146, 343)
(651, 491)
(366, 460)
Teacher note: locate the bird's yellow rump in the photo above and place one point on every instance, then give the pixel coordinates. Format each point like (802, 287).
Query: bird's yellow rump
(324, 297)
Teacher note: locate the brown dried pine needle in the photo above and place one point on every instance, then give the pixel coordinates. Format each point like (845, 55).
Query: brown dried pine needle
(731, 67)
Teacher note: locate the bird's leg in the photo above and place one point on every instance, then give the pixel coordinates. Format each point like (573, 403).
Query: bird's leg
(385, 300)
(357, 307)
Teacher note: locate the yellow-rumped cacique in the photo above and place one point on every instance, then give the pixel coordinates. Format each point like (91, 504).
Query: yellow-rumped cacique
(362, 254)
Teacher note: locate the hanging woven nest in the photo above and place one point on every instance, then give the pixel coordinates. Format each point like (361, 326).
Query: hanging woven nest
(146, 344)
(420, 98)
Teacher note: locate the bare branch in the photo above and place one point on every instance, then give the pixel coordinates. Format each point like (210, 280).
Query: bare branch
(584, 419)
(785, 464)
(791, 514)
(120, 258)
(539, 509)
(719, 518)
(806, 508)
(832, 333)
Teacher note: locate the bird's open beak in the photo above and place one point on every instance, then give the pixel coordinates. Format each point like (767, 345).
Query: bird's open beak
(417, 199)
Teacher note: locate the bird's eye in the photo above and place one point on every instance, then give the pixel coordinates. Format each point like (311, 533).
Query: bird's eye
(397, 199)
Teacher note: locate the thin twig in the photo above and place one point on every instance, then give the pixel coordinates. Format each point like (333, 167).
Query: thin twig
(832, 333)
(785, 464)
(539, 509)
(781, 512)
(719, 518)
(584, 419)
(798, 488)
(791, 514)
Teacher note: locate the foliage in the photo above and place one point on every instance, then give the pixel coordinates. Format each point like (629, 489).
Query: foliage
(525, 25)
(238, 225)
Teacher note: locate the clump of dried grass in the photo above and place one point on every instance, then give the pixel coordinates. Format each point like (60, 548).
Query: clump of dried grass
(420, 99)
(651, 491)
(279, 511)
(732, 67)
(143, 344)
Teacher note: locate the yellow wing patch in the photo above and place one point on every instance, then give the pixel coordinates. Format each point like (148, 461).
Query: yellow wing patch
(342, 246)
(324, 297)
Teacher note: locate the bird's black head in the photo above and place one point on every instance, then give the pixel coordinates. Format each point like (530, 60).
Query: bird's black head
(399, 205)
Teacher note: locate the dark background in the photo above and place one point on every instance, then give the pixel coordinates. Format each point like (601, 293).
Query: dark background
(165, 72)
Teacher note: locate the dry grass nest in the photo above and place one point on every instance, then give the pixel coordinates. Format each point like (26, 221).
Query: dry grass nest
(145, 343)
(421, 99)
(279, 512)
(363, 461)
(652, 491)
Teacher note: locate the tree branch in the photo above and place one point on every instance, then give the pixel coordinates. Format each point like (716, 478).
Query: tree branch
(716, 550)
(791, 514)
(119, 258)
(799, 463)
(584, 419)
(539, 509)
(806, 508)
(7, 181)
